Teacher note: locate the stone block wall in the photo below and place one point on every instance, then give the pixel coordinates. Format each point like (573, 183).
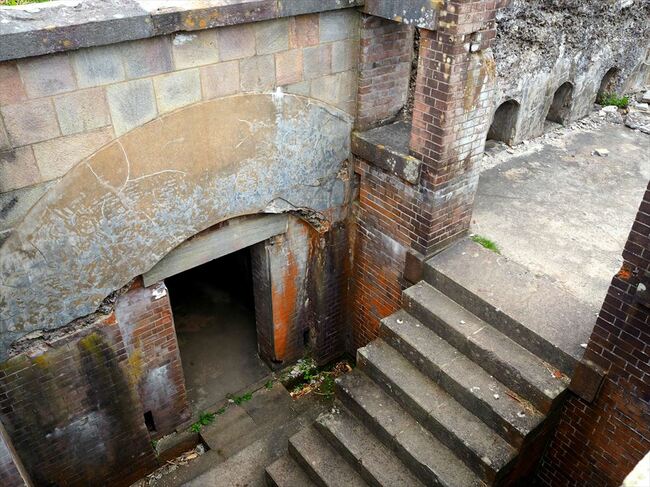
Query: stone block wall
(600, 442)
(72, 413)
(57, 109)
(145, 319)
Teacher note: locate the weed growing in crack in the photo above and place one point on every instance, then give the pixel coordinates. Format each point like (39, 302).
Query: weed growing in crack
(204, 420)
(243, 398)
(487, 243)
(607, 99)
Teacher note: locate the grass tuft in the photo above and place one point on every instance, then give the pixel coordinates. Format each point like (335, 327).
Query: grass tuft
(607, 99)
(487, 243)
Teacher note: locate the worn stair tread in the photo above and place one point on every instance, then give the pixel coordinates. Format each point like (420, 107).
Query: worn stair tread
(512, 364)
(542, 315)
(324, 465)
(436, 409)
(285, 472)
(465, 380)
(430, 460)
(375, 462)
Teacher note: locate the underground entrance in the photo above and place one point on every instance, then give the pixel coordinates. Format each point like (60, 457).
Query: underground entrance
(214, 316)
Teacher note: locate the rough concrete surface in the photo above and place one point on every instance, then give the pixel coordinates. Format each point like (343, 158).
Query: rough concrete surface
(559, 210)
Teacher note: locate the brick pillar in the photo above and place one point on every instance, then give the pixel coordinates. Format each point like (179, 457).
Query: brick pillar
(386, 48)
(456, 75)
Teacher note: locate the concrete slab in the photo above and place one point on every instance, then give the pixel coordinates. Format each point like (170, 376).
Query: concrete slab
(561, 211)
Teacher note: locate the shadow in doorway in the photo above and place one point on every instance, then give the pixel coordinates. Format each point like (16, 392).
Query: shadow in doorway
(214, 315)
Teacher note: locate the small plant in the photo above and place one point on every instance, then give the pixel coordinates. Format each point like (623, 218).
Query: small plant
(12, 3)
(487, 243)
(204, 420)
(220, 410)
(327, 385)
(607, 99)
(269, 385)
(242, 399)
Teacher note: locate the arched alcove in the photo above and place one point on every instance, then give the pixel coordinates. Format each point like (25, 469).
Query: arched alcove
(504, 122)
(608, 83)
(117, 213)
(560, 109)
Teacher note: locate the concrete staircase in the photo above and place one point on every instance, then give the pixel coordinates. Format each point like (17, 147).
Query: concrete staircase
(443, 397)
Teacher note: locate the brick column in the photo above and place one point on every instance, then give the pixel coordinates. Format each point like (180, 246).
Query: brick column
(456, 75)
(386, 48)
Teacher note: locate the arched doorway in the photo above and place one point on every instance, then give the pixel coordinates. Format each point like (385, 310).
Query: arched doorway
(607, 84)
(560, 110)
(504, 122)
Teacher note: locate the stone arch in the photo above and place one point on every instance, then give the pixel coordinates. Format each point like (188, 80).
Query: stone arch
(117, 213)
(504, 122)
(560, 109)
(608, 83)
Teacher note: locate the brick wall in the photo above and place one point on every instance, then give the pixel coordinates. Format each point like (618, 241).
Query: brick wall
(71, 412)
(599, 443)
(56, 110)
(450, 121)
(145, 319)
(385, 53)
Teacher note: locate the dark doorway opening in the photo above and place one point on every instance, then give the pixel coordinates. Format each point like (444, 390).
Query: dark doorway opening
(504, 122)
(214, 315)
(561, 106)
(608, 84)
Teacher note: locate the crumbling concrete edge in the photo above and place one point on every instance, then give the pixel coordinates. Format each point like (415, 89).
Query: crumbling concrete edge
(37, 29)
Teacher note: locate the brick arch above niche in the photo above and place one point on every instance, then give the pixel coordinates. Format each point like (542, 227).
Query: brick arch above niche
(118, 212)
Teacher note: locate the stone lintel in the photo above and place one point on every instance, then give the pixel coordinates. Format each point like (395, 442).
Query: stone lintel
(420, 13)
(44, 28)
(587, 379)
(387, 148)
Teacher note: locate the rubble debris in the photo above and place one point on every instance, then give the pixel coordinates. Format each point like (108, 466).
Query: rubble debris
(601, 152)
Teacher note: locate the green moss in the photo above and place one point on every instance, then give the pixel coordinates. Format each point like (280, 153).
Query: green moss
(487, 243)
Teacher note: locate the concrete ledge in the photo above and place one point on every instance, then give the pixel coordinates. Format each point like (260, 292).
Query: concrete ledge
(420, 13)
(43, 28)
(387, 148)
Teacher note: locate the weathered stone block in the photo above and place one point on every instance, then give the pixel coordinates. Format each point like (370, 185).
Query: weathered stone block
(98, 66)
(175, 90)
(47, 75)
(257, 73)
(220, 79)
(344, 55)
(317, 61)
(4, 137)
(17, 169)
(131, 104)
(339, 25)
(288, 66)
(236, 42)
(57, 156)
(147, 57)
(12, 86)
(303, 31)
(326, 89)
(301, 88)
(30, 121)
(272, 36)
(82, 110)
(195, 49)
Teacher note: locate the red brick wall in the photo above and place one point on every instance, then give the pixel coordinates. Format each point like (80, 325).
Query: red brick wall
(599, 443)
(145, 319)
(72, 414)
(386, 49)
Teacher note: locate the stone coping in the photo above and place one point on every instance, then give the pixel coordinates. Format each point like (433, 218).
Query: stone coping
(387, 148)
(43, 28)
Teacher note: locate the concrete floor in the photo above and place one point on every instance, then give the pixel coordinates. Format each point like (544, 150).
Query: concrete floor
(215, 325)
(561, 211)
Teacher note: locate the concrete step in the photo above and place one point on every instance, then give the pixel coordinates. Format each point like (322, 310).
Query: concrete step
(285, 472)
(430, 460)
(481, 448)
(320, 460)
(480, 393)
(531, 309)
(510, 363)
(377, 464)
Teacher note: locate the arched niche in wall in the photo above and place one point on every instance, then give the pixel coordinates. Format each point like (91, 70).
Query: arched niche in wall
(560, 109)
(117, 213)
(504, 122)
(608, 83)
